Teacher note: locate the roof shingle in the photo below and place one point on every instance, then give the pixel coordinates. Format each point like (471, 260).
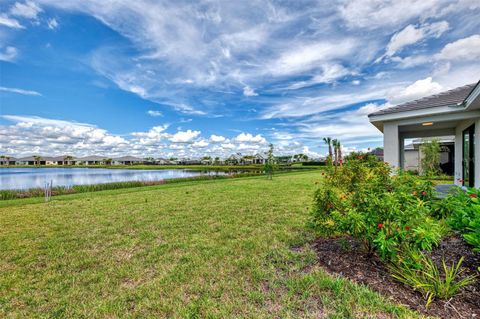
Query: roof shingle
(447, 98)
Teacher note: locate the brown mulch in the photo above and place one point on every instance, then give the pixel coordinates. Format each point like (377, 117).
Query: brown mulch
(345, 257)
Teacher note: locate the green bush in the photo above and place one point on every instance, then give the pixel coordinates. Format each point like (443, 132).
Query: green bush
(464, 215)
(387, 213)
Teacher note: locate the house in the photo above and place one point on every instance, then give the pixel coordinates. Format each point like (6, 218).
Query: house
(260, 158)
(234, 159)
(90, 160)
(7, 160)
(30, 160)
(414, 154)
(127, 160)
(164, 161)
(378, 153)
(455, 112)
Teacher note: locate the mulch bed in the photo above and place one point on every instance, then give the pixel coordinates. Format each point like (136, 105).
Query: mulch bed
(345, 256)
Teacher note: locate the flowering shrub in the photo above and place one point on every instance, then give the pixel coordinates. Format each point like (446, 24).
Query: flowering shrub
(464, 215)
(387, 213)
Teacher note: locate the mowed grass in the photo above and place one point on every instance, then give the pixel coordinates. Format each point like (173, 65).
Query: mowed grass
(210, 249)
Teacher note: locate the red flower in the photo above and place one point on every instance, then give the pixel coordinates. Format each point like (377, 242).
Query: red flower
(380, 225)
(424, 193)
(473, 195)
(407, 228)
(461, 180)
(360, 157)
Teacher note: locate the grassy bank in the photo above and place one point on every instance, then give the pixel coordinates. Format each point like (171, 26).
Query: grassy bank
(205, 249)
(62, 190)
(224, 168)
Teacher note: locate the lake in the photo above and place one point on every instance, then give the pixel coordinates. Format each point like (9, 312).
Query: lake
(25, 178)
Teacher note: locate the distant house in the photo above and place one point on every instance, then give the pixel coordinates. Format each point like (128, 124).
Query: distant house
(90, 160)
(127, 160)
(164, 161)
(29, 160)
(260, 158)
(7, 160)
(234, 159)
(413, 154)
(378, 152)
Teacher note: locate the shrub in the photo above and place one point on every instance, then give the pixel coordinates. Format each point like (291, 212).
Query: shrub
(429, 280)
(464, 215)
(387, 213)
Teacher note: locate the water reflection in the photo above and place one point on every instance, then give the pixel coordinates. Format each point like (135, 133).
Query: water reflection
(24, 178)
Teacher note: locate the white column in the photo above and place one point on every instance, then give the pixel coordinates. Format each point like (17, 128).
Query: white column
(458, 156)
(391, 144)
(477, 153)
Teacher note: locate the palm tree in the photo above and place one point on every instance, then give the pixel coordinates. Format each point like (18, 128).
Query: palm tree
(340, 159)
(328, 141)
(335, 151)
(37, 159)
(67, 159)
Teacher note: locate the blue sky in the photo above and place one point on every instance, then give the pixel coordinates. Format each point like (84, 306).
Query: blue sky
(194, 78)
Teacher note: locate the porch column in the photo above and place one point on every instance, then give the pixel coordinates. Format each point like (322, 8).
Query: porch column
(477, 153)
(391, 144)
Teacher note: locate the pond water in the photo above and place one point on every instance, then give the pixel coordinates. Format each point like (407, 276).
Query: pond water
(25, 178)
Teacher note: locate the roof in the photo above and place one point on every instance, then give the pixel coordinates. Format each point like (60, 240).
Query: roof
(447, 98)
(128, 159)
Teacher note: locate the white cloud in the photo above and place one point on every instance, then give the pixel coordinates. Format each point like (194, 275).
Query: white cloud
(29, 10)
(463, 49)
(412, 34)
(8, 54)
(416, 90)
(311, 55)
(184, 136)
(200, 144)
(248, 91)
(154, 113)
(19, 91)
(52, 23)
(217, 138)
(9, 22)
(249, 138)
(373, 14)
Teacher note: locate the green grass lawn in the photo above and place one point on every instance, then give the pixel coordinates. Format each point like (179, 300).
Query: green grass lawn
(208, 249)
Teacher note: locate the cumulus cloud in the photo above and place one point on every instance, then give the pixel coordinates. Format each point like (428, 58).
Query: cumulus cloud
(247, 137)
(184, 136)
(19, 91)
(463, 49)
(416, 90)
(217, 138)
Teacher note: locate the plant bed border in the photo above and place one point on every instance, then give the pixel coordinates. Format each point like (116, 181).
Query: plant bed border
(344, 256)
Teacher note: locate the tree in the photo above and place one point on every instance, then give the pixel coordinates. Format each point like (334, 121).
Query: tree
(339, 151)
(108, 161)
(335, 151)
(67, 159)
(270, 163)
(2, 157)
(431, 157)
(37, 159)
(328, 141)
